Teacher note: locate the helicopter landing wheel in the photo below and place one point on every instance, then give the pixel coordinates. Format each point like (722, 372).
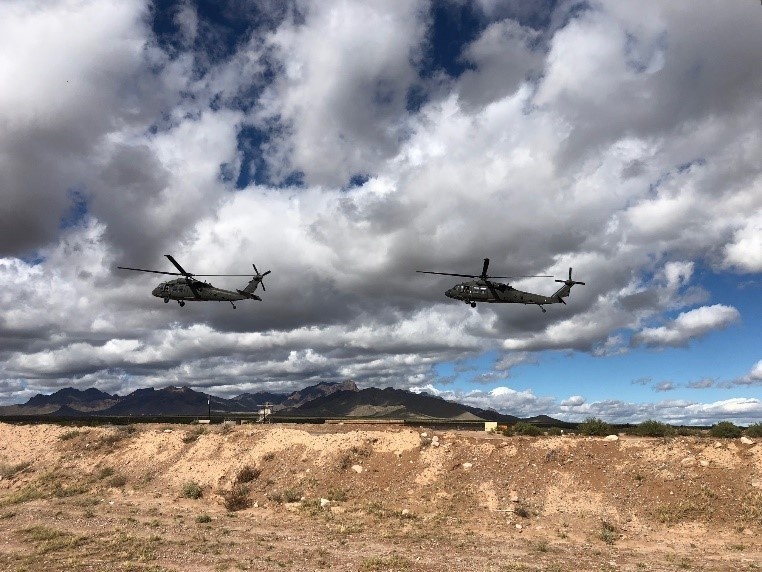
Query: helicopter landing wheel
(473, 304)
(181, 303)
(231, 303)
(166, 300)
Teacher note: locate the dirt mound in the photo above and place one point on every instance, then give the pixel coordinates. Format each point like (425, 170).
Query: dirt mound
(372, 497)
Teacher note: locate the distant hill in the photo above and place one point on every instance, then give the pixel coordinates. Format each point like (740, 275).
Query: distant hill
(88, 400)
(392, 403)
(251, 401)
(323, 400)
(319, 391)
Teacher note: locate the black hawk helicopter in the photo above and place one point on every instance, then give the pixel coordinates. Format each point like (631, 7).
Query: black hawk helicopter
(484, 290)
(188, 289)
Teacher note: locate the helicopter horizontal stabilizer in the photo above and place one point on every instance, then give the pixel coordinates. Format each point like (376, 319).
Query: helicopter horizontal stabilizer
(249, 295)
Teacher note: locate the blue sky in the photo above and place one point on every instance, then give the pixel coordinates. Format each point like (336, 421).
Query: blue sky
(345, 146)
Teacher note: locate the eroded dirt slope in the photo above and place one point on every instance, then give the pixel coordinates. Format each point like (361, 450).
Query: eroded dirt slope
(332, 497)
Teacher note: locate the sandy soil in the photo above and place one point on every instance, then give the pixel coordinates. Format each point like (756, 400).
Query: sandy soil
(116, 498)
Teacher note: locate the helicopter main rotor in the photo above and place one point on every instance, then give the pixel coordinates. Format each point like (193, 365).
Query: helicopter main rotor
(187, 274)
(483, 276)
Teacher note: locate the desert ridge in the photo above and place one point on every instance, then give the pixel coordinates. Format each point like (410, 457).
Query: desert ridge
(372, 497)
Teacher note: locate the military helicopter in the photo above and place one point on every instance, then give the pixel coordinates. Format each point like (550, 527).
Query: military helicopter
(484, 290)
(188, 289)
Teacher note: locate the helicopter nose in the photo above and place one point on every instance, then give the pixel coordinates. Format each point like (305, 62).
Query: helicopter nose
(156, 293)
(449, 293)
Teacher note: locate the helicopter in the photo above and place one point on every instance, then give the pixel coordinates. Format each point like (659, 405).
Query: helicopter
(484, 290)
(189, 289)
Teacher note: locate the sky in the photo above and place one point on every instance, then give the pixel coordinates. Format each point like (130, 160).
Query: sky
(345, 145)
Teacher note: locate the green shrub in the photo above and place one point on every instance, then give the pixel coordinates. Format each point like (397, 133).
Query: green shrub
(524, 428)
(68, 435)
(754, 430)
(595, 426)
(725, 430)
(651, 428)
(554, 431)
(292, 495)
(689, 432)
(192, 490)
(202, 518)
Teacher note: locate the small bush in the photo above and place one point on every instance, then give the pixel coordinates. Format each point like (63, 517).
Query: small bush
(524, 428)
(609, 533)
(292, 495)
(105, 472)
(689, 432)
(595, 427)
(554, 431)
(754, 430)
(203, 518)
(725, 430)
(68, 435)
(237, 498)
(247, 474)
(8, 471)
(653, 428)
(192, 436)
(521, 510)
(117, 481)
(192, 490)
(339, 495)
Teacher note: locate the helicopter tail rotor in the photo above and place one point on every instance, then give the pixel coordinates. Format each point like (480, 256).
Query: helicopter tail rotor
(570, 282)
(254, 284)
(259, 277)
(564, 290)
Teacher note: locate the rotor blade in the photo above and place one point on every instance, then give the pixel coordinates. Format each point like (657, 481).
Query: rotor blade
(524, 276)
(153, 271)
(448, 274)
(484, 268)
(180, 268)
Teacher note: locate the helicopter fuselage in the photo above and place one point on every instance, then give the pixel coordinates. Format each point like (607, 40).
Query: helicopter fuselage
(190, 290)
(495, 292)
(489, 292)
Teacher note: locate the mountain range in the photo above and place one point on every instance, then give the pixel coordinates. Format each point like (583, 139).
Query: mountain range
(324, 400)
